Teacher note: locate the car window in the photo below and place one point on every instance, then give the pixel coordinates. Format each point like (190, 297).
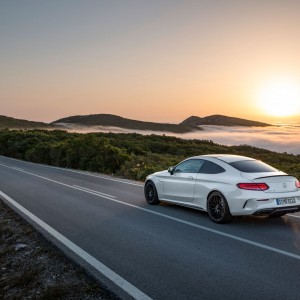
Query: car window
(209, 167)
(189, 166)
(252, 166)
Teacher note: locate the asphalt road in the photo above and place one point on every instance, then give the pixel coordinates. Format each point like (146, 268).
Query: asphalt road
(158, 252)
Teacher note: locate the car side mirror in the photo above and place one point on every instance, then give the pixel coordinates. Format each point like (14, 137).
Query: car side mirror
(171, 170)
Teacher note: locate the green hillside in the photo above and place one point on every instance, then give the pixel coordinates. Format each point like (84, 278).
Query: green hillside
(131, 156)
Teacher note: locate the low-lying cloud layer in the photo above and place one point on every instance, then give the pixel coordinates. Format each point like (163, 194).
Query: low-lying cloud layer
(275, 138)
(285, 138)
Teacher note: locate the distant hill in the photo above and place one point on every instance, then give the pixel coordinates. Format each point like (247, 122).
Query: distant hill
(220, 120)
(12, 123)
(117, 121)
(188, 125)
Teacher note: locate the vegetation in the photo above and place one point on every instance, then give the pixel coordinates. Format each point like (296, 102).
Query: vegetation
(132, 156)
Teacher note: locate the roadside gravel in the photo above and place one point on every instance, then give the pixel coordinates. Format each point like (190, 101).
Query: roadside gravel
(32, 268)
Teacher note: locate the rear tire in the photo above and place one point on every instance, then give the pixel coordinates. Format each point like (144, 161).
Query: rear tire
(151, 193)
(218, 209)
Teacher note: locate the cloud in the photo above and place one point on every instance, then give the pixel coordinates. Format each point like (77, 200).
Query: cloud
(276, 138)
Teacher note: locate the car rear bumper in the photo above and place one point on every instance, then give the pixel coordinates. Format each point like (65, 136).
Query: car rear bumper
(260, 203)
(277, 210)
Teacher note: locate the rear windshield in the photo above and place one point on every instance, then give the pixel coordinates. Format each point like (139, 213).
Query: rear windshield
(252, 166)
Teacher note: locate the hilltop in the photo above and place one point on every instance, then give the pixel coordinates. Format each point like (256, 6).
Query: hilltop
(8, 122)
(188, 125)
(117, 121)
(108, 120)
(221, 120)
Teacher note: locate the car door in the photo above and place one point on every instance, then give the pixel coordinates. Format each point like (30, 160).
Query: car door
(180, 184)
(210, 177)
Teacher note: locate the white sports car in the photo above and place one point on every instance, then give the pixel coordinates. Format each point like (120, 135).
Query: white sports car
(225, 186)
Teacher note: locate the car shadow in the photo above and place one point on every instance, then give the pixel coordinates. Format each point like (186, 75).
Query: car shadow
(255, 221)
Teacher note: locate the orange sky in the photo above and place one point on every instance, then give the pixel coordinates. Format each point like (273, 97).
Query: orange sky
(147, 60)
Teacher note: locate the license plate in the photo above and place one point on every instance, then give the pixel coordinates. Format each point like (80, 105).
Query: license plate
(281, 201)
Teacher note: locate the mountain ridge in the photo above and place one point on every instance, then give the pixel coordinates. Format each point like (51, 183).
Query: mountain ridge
(221, 120)
(190, 124)
(13, 123)
(110, 120)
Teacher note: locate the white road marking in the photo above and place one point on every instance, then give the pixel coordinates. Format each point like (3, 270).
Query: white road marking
(18, 169)
(75, 171)
(233, 237)
(93, 191)
(101, 177)
(58, 182)
(293, 216)
(92, 261)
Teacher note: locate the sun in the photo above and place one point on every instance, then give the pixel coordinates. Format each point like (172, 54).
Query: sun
(280, 98)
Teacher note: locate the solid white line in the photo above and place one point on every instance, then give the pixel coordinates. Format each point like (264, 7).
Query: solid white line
(75, 171)
(58, 182)
(298, 217)
(233, 237)
(93, 191)
(92, 261)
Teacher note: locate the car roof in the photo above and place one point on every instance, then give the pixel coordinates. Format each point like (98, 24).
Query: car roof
(228, 158)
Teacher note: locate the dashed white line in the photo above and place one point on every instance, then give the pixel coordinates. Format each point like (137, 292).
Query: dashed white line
(61, 183)
(93, 191)
(102, 177)
(78, 172)
(92, 261)
(18, 169)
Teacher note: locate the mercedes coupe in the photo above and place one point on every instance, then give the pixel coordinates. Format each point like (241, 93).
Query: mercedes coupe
(225, 186)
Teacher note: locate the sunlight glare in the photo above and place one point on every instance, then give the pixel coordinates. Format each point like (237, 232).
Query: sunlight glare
(280, 98)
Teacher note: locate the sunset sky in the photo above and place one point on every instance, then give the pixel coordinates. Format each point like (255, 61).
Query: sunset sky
(156, 60)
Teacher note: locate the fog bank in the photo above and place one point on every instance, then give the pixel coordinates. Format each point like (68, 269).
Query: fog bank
(283, 138)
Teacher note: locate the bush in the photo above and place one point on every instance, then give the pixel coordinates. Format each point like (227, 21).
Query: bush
(133, 156)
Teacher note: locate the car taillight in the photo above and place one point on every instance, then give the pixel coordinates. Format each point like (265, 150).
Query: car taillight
(297, 183)
(253, 186)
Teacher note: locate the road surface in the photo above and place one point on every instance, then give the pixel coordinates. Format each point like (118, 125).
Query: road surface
(154, 252)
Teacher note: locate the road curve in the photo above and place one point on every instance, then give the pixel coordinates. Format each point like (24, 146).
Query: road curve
(154, 252)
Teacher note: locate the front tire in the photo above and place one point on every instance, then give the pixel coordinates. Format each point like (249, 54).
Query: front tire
(218, 209)
(151, 193)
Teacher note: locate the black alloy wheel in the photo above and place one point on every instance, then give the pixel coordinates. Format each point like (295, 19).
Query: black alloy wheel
(217, 208)
(151, 193)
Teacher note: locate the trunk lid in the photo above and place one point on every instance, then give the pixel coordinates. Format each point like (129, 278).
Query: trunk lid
(278, 182)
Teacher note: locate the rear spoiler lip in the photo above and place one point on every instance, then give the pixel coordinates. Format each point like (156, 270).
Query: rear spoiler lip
(273, 176)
